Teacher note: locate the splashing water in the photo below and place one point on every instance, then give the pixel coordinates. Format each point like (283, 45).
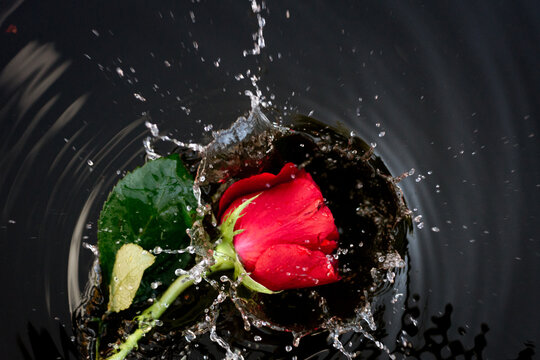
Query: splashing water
(247, 145)
(148, 142)
(258, 37)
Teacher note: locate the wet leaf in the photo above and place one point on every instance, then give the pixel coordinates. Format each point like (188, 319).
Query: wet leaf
(131, 262)
(151, 207)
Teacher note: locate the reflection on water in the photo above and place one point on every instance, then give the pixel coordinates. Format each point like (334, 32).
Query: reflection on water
(436, 340)
(451, 85)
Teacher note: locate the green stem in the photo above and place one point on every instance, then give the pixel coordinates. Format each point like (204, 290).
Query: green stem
(147, 319)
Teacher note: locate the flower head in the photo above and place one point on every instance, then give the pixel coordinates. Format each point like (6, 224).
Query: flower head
(285, 233)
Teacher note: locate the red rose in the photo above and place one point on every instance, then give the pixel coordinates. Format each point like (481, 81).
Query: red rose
(283, 236)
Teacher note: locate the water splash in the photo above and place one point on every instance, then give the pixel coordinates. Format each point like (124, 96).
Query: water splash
(149, 141)
(247, 144)
(258, 36)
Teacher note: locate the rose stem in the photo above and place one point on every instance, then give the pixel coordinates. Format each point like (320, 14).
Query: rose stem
(146, 320)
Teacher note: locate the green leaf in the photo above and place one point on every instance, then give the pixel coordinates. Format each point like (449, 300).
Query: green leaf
(226, 248)
(152, 206)
(131, 261)
(248, 281)
(227, 227)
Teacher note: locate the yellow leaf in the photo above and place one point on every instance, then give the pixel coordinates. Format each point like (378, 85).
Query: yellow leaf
(131, 261)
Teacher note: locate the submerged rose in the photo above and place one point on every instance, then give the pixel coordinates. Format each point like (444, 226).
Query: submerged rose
(281, 229)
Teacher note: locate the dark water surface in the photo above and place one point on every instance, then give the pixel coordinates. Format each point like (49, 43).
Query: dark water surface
(451, 89)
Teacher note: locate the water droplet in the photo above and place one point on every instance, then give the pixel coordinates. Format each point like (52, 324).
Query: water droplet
(190, 336)
(90, 162)
(435, 229)
(288, 348)
(139, 97)
(179, 272)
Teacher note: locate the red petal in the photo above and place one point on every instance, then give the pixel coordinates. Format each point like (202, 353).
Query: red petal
(292, 212)
(257, 183)
(290, 266)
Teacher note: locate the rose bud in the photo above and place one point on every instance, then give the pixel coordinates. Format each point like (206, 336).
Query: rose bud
(279, 231)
